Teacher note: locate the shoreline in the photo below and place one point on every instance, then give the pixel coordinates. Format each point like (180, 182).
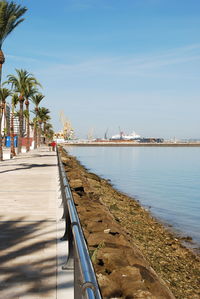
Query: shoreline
(130, 143)
(185, 239)
(177, 265)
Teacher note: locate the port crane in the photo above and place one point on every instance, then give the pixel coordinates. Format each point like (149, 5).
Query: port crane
(106, 134)
(68, 132)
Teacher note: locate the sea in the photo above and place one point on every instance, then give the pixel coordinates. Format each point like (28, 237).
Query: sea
(165, 180)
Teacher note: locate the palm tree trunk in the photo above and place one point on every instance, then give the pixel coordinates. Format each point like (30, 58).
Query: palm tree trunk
(39, 134)
(12, 146)
(1, 146)
(2, 60)
(4, 123)
(0, 72)
(27, 128)
(20, 125)
(35, 135)
(28, 136)
(44, 129)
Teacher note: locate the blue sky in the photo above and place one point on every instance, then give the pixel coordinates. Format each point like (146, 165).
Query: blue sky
(111, 63)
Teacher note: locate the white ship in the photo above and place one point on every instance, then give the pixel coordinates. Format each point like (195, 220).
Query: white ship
(123, 136)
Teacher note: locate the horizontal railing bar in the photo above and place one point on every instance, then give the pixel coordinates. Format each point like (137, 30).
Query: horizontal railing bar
(82, 258)
(72, 213)
(67, 192)
(89, 285)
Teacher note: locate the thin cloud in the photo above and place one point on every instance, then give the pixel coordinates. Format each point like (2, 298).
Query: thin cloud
(22, 58)
(142, 65)
(162, 64)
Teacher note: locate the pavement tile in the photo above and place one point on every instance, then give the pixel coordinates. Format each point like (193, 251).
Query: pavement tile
(31, 254)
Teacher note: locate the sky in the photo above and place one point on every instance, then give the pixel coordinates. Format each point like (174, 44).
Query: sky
(110, 65)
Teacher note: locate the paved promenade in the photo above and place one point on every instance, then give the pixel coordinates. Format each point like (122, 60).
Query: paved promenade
(31, 253)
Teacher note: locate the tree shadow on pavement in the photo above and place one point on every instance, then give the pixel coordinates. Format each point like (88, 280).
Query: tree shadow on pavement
(25, 166)
(28, 260)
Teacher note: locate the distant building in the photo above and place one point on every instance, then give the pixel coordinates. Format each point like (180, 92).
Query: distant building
(16, 124)
(151, 140)
(5, 125)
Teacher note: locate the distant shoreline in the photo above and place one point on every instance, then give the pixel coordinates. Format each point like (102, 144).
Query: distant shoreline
(129, 143)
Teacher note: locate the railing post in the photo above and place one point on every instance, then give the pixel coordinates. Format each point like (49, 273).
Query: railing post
(65, 215)
(70, 260)
(67, 226)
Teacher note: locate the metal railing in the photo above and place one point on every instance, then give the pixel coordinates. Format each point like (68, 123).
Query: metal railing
(85, 282)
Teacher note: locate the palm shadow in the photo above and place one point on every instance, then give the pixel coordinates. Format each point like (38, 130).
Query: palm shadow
(28, 260)
(28, 166)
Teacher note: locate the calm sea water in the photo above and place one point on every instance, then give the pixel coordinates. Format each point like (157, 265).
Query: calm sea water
(165, 180)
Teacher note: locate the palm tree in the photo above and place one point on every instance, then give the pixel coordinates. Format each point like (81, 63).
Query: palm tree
(22, 83)
(35, 130)
(15, 100)
(27, 117)
(30, 91)
(42, 116)
(4, 93)
(10, 18)
(46, 119)
(49, 134)
(36, 99)
(47, 128)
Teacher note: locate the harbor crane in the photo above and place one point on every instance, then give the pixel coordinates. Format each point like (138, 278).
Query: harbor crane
(68, 131)
(106, 134)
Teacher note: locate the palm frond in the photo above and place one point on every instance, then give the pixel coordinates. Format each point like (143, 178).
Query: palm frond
(4, 93)
(10, 18)
(37, 98)
(15, 99)
(24, 83)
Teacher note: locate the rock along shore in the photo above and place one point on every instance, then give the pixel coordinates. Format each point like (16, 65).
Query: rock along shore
(134, 256)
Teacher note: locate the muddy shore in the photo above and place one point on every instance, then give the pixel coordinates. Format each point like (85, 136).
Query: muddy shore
(134, 255)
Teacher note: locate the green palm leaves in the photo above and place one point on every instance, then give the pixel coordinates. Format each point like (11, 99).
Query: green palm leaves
(25, 84)
(43, 114)
(36, 99)
(4, 93)
(42, 118)
(10, 18)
